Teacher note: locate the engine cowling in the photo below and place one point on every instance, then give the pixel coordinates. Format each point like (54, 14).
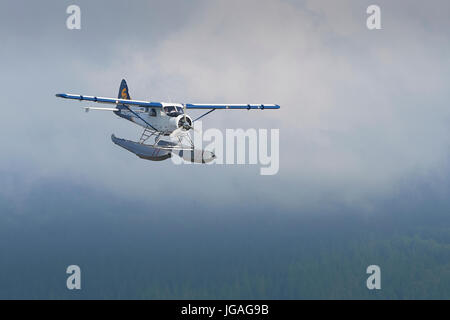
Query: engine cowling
(181, 123)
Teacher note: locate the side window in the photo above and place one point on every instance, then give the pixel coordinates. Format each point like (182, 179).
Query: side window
(153, 112)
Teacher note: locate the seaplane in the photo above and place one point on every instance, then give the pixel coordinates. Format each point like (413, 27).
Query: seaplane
(166, 124)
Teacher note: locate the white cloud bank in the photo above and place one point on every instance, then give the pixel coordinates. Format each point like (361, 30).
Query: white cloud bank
(361, 110)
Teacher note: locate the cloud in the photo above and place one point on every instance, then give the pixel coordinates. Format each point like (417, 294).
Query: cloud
(361, 110)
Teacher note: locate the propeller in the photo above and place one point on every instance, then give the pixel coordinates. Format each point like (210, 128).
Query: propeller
(184, 127)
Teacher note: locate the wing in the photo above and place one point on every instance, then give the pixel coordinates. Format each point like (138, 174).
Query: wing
(231, 106)
(110, 100)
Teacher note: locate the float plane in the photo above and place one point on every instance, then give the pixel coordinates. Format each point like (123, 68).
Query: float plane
(160, 120)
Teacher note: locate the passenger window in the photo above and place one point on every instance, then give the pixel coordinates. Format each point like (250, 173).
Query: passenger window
(153, 112)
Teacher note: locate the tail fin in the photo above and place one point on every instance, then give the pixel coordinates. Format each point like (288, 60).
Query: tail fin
(123, 91)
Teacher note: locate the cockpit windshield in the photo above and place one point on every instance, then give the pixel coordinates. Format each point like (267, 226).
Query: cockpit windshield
(173, 111)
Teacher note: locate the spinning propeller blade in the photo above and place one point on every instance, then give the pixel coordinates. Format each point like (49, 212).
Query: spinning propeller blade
(184, 128)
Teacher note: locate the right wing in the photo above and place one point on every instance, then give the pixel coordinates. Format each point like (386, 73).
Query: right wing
(231, 106)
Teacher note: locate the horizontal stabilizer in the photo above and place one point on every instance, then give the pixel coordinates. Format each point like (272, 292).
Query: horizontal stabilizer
(87, 109)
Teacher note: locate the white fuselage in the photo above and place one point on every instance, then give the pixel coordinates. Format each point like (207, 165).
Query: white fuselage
(164, 120)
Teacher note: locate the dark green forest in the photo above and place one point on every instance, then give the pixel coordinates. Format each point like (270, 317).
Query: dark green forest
(129, 250)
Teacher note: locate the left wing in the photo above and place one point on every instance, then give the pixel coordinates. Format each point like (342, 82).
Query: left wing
(110, 100)
(231, 106)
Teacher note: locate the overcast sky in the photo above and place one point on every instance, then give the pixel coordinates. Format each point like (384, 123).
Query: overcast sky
(363, 113)
(364, 147)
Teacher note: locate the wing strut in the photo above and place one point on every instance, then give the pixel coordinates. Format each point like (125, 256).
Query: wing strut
(204, 115)
(128, 108)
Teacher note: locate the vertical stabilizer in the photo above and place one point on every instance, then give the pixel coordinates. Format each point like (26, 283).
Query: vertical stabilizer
(123, 91)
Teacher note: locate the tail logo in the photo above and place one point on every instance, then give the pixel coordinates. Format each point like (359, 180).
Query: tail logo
(124, 93)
